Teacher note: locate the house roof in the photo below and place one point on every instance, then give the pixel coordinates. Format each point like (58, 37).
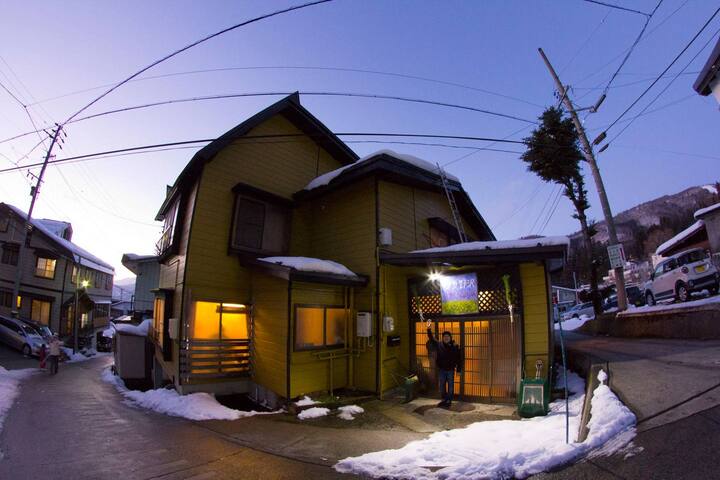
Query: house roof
(708, 72)
(132, 260)
(291, 109)
(704, 211)
(306, 269)
(78, 254)
(405, 168)
(58, 227)
(691, 235)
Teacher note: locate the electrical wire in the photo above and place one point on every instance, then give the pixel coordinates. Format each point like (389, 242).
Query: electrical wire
(552, 211)
(542, 210)
(618, 7)
(585, 43)
(518, 209)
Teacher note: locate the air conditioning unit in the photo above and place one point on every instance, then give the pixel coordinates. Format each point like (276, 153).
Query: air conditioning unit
(364, 324)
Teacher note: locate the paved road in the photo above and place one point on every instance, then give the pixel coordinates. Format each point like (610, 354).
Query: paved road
(673, 386)
(74, 426)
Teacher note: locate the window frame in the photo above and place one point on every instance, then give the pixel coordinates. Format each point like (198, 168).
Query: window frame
(39, 257)
(13, 251)
(325, 345)
(270, 201)
(4, 222)
(49, 310)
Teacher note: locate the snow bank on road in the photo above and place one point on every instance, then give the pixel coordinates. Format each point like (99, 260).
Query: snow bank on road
(507, 448)
(573, 323)
(194, 406)
(10, 389)
(314, 412)
(674, 306)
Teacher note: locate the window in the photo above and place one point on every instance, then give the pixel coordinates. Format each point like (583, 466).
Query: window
(108, 282)
(168, 234)
(442, 233)
(4, 222)
(158, 330)
(40, 311)
(10, 252)
(260, 222)
(319, 327)
(45, 268)
(6, 299)
(74, 278)
(220, 321)
(438, 238)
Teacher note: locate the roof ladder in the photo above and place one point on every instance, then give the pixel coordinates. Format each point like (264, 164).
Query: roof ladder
(453, 206)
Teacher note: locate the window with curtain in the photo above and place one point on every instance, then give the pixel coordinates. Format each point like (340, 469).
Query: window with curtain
(159, 321)
(40, 311)
(319, 327)
(45, 267)
(220, 321)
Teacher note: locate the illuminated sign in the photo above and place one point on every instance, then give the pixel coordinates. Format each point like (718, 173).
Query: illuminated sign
(459, 294)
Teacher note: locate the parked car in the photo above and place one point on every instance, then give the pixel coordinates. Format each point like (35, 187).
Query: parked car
(43, 330)
(579, 310)
(21, 336)
(635, 297)
(678, 276)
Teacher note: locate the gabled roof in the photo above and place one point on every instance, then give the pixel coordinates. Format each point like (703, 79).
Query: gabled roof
(704, 211)
(291, 109)
(132, 261)
(708, 72)
(69, 249)
(399, 167)
(693, 234)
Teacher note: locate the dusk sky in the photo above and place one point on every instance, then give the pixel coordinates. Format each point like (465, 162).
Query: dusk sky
(51, 49)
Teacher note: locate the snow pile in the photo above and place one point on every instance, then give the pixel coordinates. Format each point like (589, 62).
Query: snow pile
(307, 264)
(110, 331)
(348, 412)
(305, 402)
(705, 210)
(314, 412)
(694, 228)
(194, 406)
(506, 448)
(574, 323)
(139, 330)
(10, 388)
(673, 306)
(82, 356)
(500, 245)
(326, 178)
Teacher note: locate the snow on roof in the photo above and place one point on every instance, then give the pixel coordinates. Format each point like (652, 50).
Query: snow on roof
(705, 210)
(711, 188)
(81, 256)
(138, 330)
(694, 228)
(307, 264)
(326, 178)
(57, 227)
(500, 245)
(134, 257)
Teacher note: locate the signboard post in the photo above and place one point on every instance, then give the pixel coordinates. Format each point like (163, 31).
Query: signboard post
(459, 294)
(616, 254)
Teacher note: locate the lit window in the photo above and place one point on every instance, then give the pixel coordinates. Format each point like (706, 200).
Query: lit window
(158, 320)
(220, 321)
(40, 311)
(45, 267)
(319, 327)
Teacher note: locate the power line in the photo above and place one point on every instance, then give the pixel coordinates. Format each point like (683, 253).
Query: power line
(518, 209)
(486, 147)
(677, 57)
(587, 40)
(552, 211)
(542, 210)
(617, 7)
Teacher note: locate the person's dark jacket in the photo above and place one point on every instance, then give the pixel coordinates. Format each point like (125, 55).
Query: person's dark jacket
(448, 355)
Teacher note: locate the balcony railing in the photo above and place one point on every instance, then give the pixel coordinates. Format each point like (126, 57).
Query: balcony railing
(214, 359)
(165, 240)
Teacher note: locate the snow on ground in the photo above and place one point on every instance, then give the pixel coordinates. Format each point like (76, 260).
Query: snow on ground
(194, 406)
(573, 323)
(314, 412)
(81, 357)
(348, 412)
(499, 245)
(305, 402)
(506, 448)
(307, 264)
(676, 306)
(139, 330)
(10, 389)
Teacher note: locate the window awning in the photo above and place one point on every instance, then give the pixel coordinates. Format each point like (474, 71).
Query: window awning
(305, 269)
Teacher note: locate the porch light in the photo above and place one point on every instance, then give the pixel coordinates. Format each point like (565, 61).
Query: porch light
(85, 283)
(436, 277)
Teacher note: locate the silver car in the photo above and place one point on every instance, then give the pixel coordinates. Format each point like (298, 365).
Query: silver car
(21, 336)
(678, 276)
(579, 310)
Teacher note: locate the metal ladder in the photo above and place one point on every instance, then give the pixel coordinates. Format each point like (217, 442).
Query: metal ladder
(453, 206)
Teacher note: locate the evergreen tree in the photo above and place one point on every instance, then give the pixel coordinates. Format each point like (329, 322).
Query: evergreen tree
(554, 155)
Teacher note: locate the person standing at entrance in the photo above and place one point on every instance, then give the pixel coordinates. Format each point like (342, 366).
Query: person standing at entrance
(448, 358)
(54, 354)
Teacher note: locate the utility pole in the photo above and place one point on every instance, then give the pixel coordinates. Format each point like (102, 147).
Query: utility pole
(23, 235)
(590, 157)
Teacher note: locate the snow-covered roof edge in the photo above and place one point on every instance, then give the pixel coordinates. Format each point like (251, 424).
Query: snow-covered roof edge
(706, 210)
(695, 227)
(328, 177)
(501, 245)
(309, 264)
(81, 256)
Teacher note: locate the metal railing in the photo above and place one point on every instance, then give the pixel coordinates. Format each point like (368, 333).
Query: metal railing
(212, 359)
(164, 241)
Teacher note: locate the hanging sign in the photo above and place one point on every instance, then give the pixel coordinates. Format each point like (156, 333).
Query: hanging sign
(459, 294)
(616, 255)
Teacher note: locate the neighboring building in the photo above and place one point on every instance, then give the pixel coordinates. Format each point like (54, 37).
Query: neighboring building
(563, 297)
(708, 81)
(635, 273)
(710, 216)
(289, 266)
(54, 270)
(147, 279)
(695, 236)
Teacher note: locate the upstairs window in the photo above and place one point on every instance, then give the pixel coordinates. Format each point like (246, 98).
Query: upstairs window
(4, 222)
(260, 222)
(442, 233)
(168, 234)
(45, 268)
(10, 253)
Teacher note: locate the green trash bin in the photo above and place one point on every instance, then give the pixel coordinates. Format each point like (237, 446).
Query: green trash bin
(533, 397)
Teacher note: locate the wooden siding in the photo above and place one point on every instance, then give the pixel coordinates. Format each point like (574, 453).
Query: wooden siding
(269, 341)
(394, 303)
(535, 317)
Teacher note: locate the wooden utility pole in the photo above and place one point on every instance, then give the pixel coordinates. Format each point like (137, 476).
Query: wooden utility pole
(590, 157)
(27, 226)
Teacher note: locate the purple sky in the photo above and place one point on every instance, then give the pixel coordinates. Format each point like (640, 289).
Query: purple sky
(50, 49)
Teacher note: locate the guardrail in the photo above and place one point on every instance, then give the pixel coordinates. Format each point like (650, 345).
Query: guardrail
(214, 359)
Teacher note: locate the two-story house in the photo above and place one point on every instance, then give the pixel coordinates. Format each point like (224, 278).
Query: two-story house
(289, 266)
(57, 275)
(147, 276)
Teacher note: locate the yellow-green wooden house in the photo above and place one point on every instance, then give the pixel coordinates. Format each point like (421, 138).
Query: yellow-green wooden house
(289, 266)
